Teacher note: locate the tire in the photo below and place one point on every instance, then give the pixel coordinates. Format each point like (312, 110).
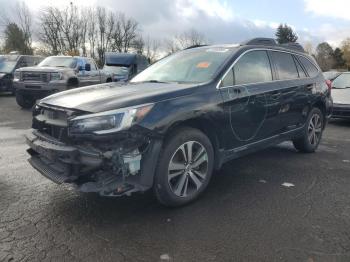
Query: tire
(72, 83)
(24, 101)
(177, 183)
(312, 133)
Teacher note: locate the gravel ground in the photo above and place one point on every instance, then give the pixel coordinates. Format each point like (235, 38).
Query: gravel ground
(245, 215)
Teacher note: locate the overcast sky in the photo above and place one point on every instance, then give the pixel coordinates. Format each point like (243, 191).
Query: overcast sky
(228, 21)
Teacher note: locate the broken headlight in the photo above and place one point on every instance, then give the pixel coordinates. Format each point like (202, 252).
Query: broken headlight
(109, 121)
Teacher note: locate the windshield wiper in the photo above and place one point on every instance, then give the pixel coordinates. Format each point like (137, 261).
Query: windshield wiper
(154, 81)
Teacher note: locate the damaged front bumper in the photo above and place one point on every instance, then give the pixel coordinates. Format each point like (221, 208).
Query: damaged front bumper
(114, 172)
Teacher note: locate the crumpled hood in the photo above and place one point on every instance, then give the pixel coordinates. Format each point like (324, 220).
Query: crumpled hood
(341, 96)
(104, 97)
(44, 69)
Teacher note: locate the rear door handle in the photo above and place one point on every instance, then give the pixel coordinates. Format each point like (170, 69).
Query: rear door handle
(276, 95)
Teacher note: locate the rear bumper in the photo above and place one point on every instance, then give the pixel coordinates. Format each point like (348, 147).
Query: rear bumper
(88, 169)
(341, 111)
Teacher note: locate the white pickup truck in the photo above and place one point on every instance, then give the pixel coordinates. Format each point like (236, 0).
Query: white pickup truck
(55, 74)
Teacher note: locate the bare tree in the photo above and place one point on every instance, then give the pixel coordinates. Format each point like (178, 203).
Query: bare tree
(184, 40)
(129, 31)
(151, 49)
(25, 23)
(190, 38)
(105, 30)
(83, 21)
(71, 30)
(92, 31)
(50, 30)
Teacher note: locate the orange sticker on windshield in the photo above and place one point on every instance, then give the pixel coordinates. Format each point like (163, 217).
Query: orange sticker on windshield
(203, 65)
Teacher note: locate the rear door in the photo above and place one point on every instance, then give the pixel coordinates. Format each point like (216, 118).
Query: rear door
(83, 75)
(294, 88)
(250, 96)
(95, 77)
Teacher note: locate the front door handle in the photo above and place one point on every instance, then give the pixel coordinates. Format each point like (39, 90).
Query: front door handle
(234, 92)
(310, 87)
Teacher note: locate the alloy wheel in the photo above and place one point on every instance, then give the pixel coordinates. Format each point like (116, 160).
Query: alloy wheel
(315, 129)
(188, 169)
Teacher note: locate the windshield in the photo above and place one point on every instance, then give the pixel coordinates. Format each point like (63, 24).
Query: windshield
(342, 81)
(189, 66)
(56, 61)
(117, 70)
(8, 63)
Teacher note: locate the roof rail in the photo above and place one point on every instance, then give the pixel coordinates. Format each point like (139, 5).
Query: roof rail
(194, 46)
(272, 42)
(260, 41)
(294, 46)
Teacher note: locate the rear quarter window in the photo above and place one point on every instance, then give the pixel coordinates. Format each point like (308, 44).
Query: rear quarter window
(309, 67)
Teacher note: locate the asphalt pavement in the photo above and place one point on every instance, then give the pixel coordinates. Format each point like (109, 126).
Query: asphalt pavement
(275, 205)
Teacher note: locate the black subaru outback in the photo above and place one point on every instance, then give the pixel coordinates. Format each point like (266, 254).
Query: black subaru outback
(181, 119)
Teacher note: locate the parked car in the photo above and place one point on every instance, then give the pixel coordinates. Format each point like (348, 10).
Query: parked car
(341, 96)
(124, 66)
(55, 74)
(181, 119)
(8, 65)
(331, 75)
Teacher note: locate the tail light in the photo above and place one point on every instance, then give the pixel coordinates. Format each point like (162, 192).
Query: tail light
(329, 84)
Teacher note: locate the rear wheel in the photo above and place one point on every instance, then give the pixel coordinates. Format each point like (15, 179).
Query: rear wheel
(24, 101)
(184, 168)
(312, 135)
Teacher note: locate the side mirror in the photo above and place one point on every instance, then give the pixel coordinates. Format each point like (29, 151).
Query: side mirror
(87, 67)
(80, 68)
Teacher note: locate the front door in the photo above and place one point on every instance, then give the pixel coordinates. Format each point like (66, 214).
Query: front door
(251, 98)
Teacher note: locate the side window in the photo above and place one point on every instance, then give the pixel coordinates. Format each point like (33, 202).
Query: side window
(301, 71)
(285, 66)
(253, 67)
(93, 65)
(228, 79)
(22, 62)
(310, 67)
(37, 60)
(81, 63)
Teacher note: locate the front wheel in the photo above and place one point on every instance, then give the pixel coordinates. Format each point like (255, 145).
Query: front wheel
(312, 134)
(24, 101)
(184, 168)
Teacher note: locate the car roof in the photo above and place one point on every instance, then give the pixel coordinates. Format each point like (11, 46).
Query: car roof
(260, 43)
(79, 57)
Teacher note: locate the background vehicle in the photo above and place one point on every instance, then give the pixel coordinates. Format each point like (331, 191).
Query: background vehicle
(8, 65)
(198, 109)
(341, 95)
(55, 74)
(124, 66)
(331, 75)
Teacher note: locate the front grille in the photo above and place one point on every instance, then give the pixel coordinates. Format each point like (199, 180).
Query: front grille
(52, 122)
(35, 76)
